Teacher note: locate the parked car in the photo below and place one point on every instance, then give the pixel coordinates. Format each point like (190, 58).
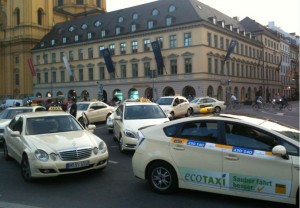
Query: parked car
(11, 103)
(52, 143)
(176, 106)
(202, 102)
(9, 113)
(221, 155)
(130, 116)
(96, 111)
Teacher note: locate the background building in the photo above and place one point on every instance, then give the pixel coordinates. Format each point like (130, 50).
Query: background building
(23, 23)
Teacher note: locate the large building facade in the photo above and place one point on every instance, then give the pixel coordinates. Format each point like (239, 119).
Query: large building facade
(23, 23)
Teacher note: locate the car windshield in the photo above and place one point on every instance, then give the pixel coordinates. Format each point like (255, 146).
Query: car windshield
(82, 106)
(10, 113)
(164, 101)
(195, 100)
(143, 112)
(51, 124)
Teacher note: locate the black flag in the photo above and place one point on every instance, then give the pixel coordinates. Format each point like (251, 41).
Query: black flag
(230, 49)
(158, 56)
(108, 62)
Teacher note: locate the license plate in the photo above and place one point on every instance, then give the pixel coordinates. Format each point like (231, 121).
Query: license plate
(77, 164)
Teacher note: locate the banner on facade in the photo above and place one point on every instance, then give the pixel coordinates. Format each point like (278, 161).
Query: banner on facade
(108, 62)
(230, 49)
(158, 55)
(67, 65)
(31, 67)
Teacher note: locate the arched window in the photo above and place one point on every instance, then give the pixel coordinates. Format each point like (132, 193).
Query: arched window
(17, 16)
(40, 16)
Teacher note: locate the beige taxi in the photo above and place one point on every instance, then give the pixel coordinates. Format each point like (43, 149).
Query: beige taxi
(52, 143)
(221, 154)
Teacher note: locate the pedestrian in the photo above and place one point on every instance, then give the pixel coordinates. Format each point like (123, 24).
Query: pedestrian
(73, 108)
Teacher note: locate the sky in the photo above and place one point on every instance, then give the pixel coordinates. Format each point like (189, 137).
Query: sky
(285, 14)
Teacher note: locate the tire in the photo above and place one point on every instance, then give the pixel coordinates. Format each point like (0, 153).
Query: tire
(121, 148)
(217, 109)
(255, 107)
(25, 169)
(188, 113)
(5, 152)
(162, 178)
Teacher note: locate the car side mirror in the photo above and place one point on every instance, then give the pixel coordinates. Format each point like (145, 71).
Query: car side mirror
(280, 150)
(15, 133)
(118, 118)
(91, 127)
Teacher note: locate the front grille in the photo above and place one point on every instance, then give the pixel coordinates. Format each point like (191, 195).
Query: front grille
(75, 154)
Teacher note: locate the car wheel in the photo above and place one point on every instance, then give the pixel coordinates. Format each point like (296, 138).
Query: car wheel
(188, 113)
(172, 116)
(25, 169)
(5, 152)
(121, 147)
(217, 109)
(162, 178)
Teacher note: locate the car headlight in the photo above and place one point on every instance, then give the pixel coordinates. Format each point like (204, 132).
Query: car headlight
(41, 155)
(102, 147)
(129, 133)
(95, 150)
(141, 138)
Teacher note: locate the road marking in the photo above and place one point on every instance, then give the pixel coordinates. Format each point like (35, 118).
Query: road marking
(280, 114)
(113, 162)
(14, 205)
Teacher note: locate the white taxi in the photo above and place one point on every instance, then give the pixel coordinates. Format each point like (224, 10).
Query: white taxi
(131, 116)
(176, 106)
(220, 155)
(200, 103)
(95, 111)
(52, 143)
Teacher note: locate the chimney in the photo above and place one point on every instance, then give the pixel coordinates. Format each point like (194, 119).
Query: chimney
(236, 18)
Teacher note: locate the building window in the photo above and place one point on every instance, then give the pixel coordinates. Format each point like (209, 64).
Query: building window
(222, 67)
(40, 16)
(53, 77)
(233, 69)
(216, 66)
(227, 69)
(80, 54)
(209, 39)
(172, 8)
(17, 13)
(123, 48)
(91, 74)
(79, 2)
(17, 79)
(118, 30)
(38, 59)
(120, 19)
(154, 12)
(80, 76)
(97, 23)
(71, 55)
(61, 56)
(71, 29)
(53, 57)
(52, 42)
(101, 73)
(60, 2)
(89, 35)
(134, 45)
(238, 70)
(246, 50)
(17, 60)
(103, 33)
(133, 27)
(72, 76)
(112, 75)
(135, 16)
(64, 39)
(173, 41)
(101, 48)
(90, 53)
(169, 21)
(38, 78)
(160, 42)
(135, 72)
(147, 45)
(187, 39)
(227, 44)
(147, 71)
(62, 76)
(112, 49)
(242, 49)
(173, 64)
(188, 65)
(216, 41)
(45, 58)
(123, 71)
(209, 62)
(76, 38)
(150, 24)
(46, 78)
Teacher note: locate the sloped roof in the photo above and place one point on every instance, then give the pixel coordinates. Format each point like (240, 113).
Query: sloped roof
(186, 11)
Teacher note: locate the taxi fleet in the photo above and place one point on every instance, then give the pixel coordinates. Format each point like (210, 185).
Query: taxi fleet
(221, 155)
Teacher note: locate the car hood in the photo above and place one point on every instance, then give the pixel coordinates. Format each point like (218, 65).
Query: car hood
(4, 122)
(67, 140)
(134, 125)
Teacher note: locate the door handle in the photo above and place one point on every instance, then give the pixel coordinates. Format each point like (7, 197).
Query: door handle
(178, 148)
(231, 157)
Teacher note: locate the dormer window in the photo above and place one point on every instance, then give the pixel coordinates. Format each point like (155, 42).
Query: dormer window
(230, 27)
(135, 16)
(223, 24)
(52, 42)
(42, 44)
(76, 38)
(172, 8)
(64, 40)
(214, 20)
(103, 33)
(154, 12)
(89, 35)
(120, 19)
(150, 24)
(97, 23)
(84, 26)
(238, 30)
(169, 21)
(71, 29)
(118, 30)
(133, 27)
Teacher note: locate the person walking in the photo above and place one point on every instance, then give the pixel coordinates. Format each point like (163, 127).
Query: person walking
(73, 108)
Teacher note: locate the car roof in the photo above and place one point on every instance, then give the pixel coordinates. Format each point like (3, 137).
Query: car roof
(44, 114)
(88, 102)
(175, 96)
(25, 107)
